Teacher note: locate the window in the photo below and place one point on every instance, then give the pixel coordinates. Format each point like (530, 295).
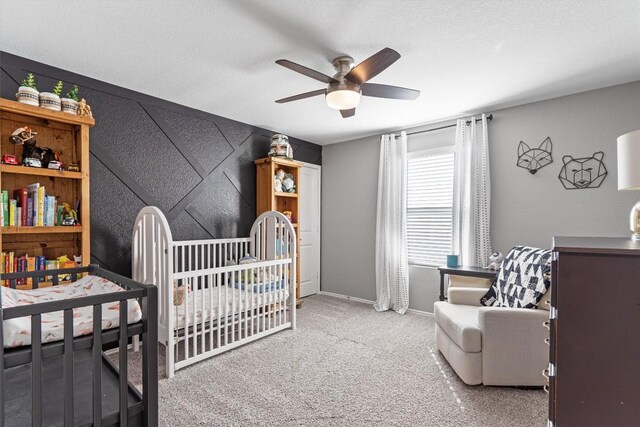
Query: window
(430, 206)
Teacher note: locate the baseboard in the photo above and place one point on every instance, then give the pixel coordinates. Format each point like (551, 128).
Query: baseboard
(420, 312)
(331, 294)
(366, 301)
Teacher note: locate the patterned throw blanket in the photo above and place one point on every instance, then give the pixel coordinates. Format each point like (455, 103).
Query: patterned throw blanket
(523, 279)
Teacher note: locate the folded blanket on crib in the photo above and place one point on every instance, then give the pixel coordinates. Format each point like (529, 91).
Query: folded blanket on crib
(17, 332)
(260, 287)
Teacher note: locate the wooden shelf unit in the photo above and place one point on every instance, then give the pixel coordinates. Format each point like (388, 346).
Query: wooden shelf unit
(267, 199)
(68, 136)
(24, 170)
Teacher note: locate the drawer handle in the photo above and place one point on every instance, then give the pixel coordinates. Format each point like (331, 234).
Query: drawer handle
(546, 388)
(545, 374)
(547, 341)
(546, 324)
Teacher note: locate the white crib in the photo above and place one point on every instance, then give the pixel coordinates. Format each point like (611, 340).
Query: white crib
(206, 305)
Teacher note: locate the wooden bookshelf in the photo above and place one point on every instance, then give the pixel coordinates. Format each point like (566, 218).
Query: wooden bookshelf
(24, 170)
(267, 199)
(42, 230)
(68, 136)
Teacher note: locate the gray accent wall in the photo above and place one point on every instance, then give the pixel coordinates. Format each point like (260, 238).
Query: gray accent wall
(195, 166)
(525, 209)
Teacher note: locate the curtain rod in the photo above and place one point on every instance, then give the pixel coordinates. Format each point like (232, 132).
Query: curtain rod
(489, 118)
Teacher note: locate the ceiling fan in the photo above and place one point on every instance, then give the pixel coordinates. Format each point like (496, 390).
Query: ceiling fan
(349, 83)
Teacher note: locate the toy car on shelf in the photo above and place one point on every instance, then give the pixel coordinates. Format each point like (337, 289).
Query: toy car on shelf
(9, 159)
(69, 221)
(73, 168)
(30, 161)
(54, 164)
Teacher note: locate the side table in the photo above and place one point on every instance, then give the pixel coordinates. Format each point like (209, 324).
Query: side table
(464, 271)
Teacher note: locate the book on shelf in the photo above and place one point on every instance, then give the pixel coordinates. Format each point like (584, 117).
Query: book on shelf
(29, 211)
(12, 263)
(5, 207)
(30, 206)
(20, 195)
(31, 266)
(32, 193)
(12, 212)
(41, 194)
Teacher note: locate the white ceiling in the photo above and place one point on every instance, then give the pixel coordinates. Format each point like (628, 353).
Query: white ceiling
(218, 56)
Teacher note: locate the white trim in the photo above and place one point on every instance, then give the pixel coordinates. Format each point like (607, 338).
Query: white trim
(366, 301)
(310, 165)
(420, 312)
(431, 151)
(341, 296)
(319, 245)
(427, 266)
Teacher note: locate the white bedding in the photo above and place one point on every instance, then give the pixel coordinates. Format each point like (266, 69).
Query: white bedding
(17, 332)
(237, 299)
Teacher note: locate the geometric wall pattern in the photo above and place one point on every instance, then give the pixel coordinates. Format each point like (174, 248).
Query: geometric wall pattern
(195, 166)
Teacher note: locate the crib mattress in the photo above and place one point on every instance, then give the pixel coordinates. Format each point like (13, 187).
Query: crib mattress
(232, 301)
(17, 332)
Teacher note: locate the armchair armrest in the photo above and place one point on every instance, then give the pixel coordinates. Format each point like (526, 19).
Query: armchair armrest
(513, 345)
(466, 296)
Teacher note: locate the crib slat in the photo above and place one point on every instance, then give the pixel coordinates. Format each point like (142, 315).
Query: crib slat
(96, 363)
(226, 309)
(123, 374)
(211, 325)
(263, 310)
(245, 302)
(232, 288)
(218, 325)
(186, 318)
(36, 370)
(285, 286)
(150, 358)
(203, 299)
(194, 313)
(249, 303)
(68, 367)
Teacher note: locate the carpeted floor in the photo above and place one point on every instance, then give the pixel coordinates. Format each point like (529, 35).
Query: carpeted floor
(345, 365)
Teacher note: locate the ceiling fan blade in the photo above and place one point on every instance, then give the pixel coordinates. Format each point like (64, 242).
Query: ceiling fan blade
(372, 66)
(302, 96)
(306, 71)
(348, 113)
(391, 92)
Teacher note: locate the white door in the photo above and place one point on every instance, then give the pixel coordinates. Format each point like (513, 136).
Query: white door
(309, 229)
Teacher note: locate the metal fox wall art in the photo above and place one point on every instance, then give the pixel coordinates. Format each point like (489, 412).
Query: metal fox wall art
(533, 159)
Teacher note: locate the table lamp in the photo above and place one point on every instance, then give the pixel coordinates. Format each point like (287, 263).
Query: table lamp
(629, 174)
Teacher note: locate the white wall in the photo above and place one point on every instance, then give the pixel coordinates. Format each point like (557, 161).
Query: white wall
(525, 209)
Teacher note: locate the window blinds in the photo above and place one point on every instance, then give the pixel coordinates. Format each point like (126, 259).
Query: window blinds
(429, 207)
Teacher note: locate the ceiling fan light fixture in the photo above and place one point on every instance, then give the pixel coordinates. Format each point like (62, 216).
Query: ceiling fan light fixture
(343, 99)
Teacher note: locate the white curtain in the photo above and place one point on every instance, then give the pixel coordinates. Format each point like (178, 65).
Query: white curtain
(392, 265)
(472, 193)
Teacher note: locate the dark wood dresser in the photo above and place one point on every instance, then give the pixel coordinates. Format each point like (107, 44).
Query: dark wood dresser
(594, 369)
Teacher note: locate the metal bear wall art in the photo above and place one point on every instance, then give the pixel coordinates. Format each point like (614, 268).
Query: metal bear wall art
(583, 172)
(534, 159)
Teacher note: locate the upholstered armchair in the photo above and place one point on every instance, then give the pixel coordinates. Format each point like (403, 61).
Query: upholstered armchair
(491, 345)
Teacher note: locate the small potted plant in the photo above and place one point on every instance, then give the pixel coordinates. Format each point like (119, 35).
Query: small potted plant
(70, 102)
(28, 92)
(51, 100)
